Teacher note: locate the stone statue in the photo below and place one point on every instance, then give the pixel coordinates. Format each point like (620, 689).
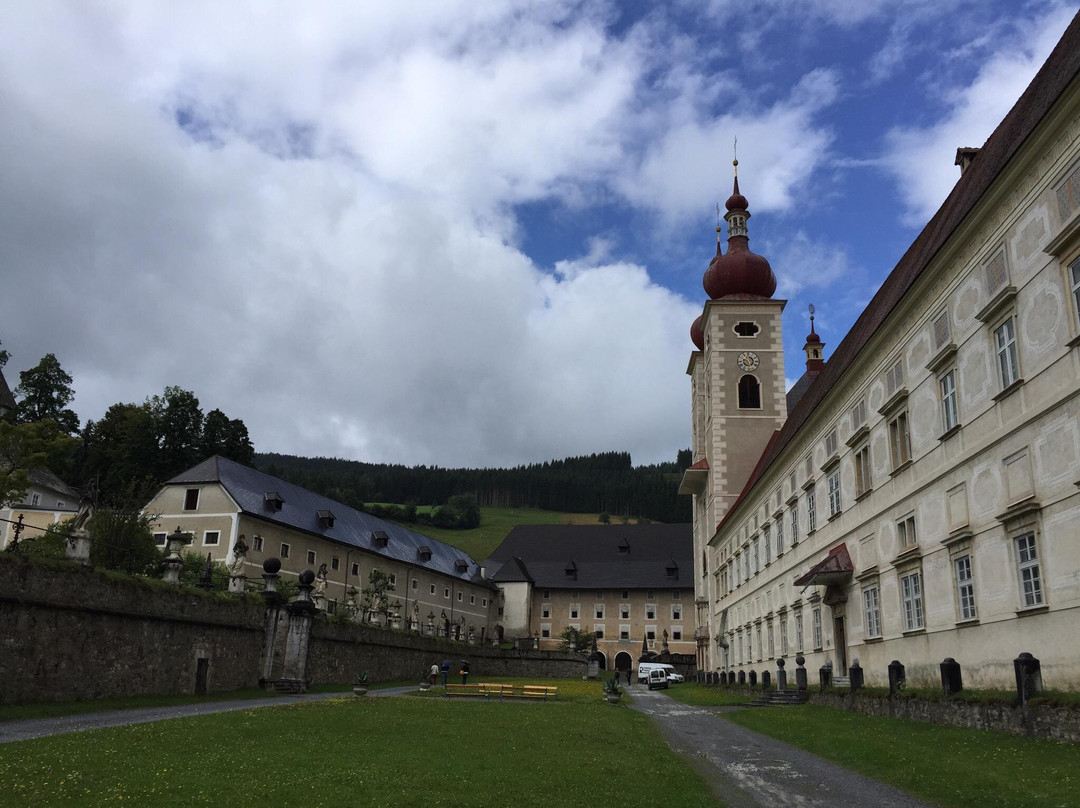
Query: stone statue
(236, 566)
(87, 501)
(320, 581)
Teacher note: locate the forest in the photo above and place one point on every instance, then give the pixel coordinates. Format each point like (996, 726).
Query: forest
(598, 483)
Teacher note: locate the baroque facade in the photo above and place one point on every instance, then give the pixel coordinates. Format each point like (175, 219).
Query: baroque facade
(917, 496)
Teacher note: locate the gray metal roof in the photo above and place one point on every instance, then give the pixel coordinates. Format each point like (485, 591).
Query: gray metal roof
(300, 510)
(657, 556)
(7, 399)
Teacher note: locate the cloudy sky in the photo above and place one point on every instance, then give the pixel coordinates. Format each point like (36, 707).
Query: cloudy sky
(457, 232)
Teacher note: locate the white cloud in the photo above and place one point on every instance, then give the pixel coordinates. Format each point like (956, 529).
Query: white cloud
(921, 158)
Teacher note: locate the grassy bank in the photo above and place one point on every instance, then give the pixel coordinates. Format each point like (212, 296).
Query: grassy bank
(950, 766)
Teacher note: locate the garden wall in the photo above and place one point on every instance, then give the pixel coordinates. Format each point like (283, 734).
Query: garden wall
(68, 632)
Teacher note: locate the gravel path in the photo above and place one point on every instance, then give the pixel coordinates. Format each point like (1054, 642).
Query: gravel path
(40, 727)
(749, 770)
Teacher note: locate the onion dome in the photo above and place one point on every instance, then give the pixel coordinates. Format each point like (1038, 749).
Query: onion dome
(739, 273)
(697, 334)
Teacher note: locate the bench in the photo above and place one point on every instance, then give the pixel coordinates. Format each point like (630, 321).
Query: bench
(487, 690)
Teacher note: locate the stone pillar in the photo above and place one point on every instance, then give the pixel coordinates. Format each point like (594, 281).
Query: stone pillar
(301, 614)
(78, 548)
(951, 679)
(781, 675)
(825, 676)
(173, 563)
(855, 672)
(800, 673)
(536, 641)
(753, 678)
(1028, 672)
(272, 598)
(236, 584)
(766, 680)
(897, 677)
(742, 677)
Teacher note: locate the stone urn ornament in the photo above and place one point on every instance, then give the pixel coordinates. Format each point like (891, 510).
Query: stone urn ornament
(612, 691)
(360, 686)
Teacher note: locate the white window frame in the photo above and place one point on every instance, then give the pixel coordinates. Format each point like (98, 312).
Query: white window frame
(907, 536)
(256, 544)
(793, 511)
(900, 439)
(863, 472)
(312, 556)
(816, 627)
(766, 535)
(834, 493)
(1074, 284)
(1029, 570)
(811, 511)
(285, 548)
(650, 611)
(545, 630)
(161, 539)
(676, 612)
(799, 640)
(872, 611)
(964, 578)
(624, 631)
(911, 601)
(598, 610)
(206, 538)
(783, 635)
(1006, 352)
(950, 414)
(545, 610)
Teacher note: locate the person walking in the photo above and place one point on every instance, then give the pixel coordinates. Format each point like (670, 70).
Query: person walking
(464, 672)
(445, 670)
(433, 674)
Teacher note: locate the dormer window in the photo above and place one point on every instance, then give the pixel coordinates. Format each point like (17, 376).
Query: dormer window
(461, 565)
(326, 519)
(624, 546)
(273, 500)
(380, 538)
(672, 569)
(424, 553)
(571, 571)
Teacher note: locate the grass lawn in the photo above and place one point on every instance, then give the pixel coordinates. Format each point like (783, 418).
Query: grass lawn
(950, 766)
(496, 523)
(400, 751)
(702, 696)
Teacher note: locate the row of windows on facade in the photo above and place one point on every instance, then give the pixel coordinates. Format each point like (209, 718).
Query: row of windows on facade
(1007, 361)
(600, 632)
(574, 611)
(912, 606)
(624, 594)
(213, 537)
(35, 501)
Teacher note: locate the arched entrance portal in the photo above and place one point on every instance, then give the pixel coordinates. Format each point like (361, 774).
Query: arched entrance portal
(601, 659)
(624, 663)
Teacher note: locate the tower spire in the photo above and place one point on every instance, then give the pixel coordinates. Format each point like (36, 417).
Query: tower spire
(813, 347)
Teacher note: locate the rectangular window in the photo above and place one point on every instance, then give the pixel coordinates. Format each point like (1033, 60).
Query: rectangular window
(650, 611)
(834, 493)
(545, 629)
(545, 610)
(624, 611)
(949, 416)
(1074, 280)
(624, 632)
(757, 557)
(942, 330)
(483, 602)
(830, 444)
(160, 539)
(472, 599)
(899, 440)
(211, 537)
(760, 647)
(811, 511)
(650, 634)
(780, 533)
(676, 595)
(783, 636)
(766, 534)
(894, 378)
(35, 500)
(749, 646)
(284, 550)
(905, 533)
(965, 588)
(598, 632)
(1005, 346)
(676, 612)
(547, 594)
(862, 471)
(911, 600)
(625, 594)
(817, 628)
(191, 499)
(356, 571)
(1027, 568)
(311, 556)
(599, 611)
(794, 512)
(414, 585)
(446, 592)
(872, 610)
(575, 609)
(798, 632)
(431, 589)
(257, 544)
(459, 594)
(393, 580)
(858, 414)
(772, 648)
(676, 633)
(335, 562)
(599, 594)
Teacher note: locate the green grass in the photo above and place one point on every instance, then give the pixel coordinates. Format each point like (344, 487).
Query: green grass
(702, 696)
(356, 752)
(496, 523)
(950, 766)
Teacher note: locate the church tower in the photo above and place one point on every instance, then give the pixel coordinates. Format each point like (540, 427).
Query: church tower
(737, 386)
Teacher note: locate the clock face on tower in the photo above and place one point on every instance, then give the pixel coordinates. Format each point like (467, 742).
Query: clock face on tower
(748, 361)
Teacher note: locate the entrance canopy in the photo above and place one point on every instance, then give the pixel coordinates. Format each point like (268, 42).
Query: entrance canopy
(836, 568)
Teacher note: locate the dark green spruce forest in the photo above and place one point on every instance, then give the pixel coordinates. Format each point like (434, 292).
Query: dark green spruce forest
(597, 483)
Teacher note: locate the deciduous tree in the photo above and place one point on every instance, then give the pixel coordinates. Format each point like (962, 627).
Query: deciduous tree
(45, 392)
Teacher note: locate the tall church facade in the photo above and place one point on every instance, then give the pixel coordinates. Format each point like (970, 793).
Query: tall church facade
(916, 496)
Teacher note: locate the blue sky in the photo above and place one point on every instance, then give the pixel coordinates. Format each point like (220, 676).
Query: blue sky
(461, 233)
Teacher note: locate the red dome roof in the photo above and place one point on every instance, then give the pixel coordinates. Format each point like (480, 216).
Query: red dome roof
(739, 272)
(697, 334)
(736, 201)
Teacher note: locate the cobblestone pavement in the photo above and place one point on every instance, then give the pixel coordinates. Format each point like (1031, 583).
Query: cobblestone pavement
(40, 727)
(749, 770)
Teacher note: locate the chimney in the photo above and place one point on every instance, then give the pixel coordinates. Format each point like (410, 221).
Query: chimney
(964, 156)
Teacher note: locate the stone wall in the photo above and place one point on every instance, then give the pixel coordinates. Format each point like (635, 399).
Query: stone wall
(68, 632)
(1056, 723)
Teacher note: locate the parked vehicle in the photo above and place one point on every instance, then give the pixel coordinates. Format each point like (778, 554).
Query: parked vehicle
(658, 679)
(645, 668)
(673, 675)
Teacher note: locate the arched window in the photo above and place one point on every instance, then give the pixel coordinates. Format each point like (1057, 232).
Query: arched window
(749, 393)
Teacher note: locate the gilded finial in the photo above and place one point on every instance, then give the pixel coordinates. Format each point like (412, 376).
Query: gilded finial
(735, 151)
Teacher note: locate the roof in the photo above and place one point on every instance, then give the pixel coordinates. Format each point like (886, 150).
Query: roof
(654, 556)
(300, 510)
(43, 478)
(836, 568)
(7, 399)
(1057, 73)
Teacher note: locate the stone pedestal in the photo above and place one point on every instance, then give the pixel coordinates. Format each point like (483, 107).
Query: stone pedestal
(236, 584)
(781, 675)
(78, 548)
(800, 673)
(301, 614)
(897, 677)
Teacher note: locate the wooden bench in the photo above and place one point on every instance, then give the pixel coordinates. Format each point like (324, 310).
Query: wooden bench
(487, 690)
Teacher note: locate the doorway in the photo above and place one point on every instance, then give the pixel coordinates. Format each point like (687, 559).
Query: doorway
(624, 663)
(841, 646)
(202, 670)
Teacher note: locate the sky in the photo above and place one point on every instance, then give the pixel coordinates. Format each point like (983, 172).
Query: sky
(458, 233)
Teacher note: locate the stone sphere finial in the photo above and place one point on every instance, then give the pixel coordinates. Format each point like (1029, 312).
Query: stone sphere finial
(272, 565)
(307, 577)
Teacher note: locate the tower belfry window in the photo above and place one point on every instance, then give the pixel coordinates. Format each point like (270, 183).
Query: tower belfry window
(747, 329)
(749, 393)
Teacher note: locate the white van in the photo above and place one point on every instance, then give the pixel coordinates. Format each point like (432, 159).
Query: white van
(645, 668)
(657, 679)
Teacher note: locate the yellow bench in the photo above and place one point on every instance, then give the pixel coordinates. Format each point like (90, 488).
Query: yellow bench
(487, 690)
